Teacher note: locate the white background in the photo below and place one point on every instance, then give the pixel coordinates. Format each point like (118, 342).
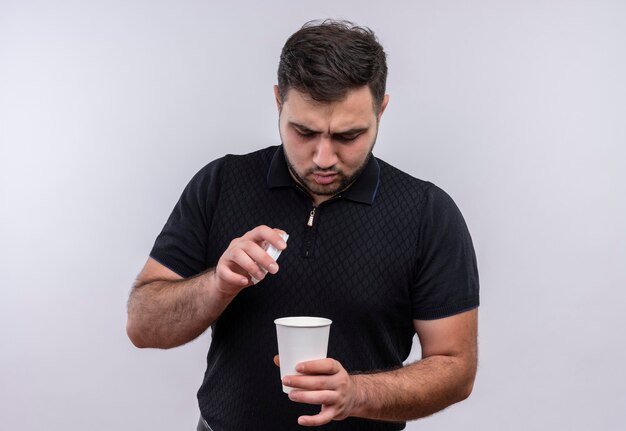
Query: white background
(107, 108)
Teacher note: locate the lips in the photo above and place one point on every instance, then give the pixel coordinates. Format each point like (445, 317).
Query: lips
(324, 179)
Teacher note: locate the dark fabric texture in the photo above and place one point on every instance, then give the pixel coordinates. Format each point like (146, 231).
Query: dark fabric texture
(395, 249)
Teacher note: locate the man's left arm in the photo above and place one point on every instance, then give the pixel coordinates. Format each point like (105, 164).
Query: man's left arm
(444, 376)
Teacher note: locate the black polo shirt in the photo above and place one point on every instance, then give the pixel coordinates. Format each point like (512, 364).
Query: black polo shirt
(388, 250)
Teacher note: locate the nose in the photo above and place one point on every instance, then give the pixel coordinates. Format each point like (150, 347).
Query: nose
(325, 156)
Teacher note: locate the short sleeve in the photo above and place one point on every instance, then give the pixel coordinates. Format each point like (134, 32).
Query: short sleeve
(182, 244)
(446, 279)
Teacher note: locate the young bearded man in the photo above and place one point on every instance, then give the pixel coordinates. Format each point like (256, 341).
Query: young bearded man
(380, 253)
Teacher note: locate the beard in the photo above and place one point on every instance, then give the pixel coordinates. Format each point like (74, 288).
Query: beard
(341, 183)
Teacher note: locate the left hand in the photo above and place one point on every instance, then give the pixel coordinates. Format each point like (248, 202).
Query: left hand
(324, 382)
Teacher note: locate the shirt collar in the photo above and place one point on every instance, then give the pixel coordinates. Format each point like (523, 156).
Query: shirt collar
(363, 190)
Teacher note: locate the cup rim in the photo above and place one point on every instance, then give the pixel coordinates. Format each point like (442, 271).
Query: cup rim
(303, 321)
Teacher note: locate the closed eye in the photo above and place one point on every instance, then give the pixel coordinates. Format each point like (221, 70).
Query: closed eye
(346, 138)
(305, 134)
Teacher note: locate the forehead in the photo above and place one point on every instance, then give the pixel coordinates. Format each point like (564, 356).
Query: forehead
(355, 109)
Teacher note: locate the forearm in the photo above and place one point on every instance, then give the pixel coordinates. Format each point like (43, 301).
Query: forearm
(414, 391)
(165, 314)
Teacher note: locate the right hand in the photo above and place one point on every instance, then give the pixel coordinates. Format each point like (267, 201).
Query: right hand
(245, 258)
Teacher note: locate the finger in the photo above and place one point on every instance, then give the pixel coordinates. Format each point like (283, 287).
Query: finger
(231, 277)
(325, 416)
(266, 233)
(260, 256)
(247, 255)
(259, 233)
(277, 239)
(240, 256)
(276, 360)
(314, 397)
(327, 366)
(311, 382)
(266, 237)
(253, 253)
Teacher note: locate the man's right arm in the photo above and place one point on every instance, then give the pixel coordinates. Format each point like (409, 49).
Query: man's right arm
(165, 310)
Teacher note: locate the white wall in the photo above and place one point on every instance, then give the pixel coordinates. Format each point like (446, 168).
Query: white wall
(108, 107)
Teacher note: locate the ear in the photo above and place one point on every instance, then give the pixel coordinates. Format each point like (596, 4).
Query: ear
(277, 96)
(383, 106)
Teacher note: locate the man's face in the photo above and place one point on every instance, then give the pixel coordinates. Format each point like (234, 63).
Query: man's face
(327, 144)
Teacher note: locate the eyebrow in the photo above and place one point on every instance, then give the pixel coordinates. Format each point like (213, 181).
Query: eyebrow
(353, 131)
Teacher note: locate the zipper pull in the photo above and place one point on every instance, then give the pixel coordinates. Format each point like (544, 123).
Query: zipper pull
(311, 217)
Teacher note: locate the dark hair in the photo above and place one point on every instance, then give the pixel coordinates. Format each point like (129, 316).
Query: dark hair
(326, 59)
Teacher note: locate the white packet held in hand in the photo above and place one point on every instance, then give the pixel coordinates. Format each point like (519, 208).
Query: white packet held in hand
(273, 252)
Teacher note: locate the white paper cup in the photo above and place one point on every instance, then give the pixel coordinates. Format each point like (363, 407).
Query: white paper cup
(301, 338)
